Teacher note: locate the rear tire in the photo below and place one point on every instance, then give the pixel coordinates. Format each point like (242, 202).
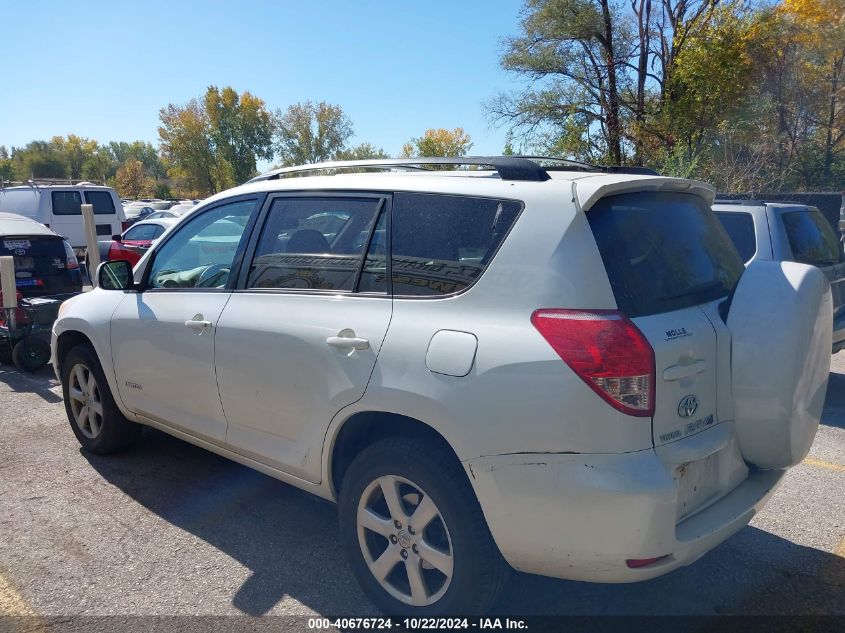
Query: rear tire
(441, 560)
(94, 417)
(30, 354)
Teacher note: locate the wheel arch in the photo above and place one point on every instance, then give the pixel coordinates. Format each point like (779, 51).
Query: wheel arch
(66, 341)
(363, 428)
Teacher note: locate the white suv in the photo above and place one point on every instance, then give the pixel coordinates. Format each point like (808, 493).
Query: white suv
(556, 369)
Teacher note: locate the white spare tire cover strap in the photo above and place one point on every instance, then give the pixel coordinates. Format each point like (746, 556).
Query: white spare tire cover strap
(781, 321)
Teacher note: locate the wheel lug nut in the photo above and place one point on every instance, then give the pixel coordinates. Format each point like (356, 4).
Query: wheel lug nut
(404, 553)
(414, 547)
(411, 530)
(397, 524)
(393, 538)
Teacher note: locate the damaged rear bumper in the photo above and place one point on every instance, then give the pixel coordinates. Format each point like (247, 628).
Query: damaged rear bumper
(581, 517)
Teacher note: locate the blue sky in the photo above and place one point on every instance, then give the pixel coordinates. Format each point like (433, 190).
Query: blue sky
(104, 69)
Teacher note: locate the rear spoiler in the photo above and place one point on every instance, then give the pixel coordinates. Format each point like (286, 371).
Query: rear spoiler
(588, 191)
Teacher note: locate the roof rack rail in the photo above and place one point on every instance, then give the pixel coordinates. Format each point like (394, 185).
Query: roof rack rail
(46, 182)
(744, 201)
(524, 168)
(551, 163)
(508, 168)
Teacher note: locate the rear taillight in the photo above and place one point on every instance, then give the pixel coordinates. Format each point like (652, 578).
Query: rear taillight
(124, 225)
(607, 351)
(70, 256)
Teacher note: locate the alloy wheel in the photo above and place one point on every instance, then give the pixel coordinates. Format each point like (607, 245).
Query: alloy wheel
(405, 541)
(85, 401)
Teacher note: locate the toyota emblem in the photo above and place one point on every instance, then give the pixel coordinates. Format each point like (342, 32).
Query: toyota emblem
(688, 406)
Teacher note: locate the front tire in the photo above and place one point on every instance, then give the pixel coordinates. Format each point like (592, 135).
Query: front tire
(94, 417)
(414, 532)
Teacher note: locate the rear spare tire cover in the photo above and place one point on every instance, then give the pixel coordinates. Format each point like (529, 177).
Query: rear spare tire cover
(781, 322)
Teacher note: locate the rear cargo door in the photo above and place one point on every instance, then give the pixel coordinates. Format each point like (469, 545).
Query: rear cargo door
(670, 264)
(40, 261)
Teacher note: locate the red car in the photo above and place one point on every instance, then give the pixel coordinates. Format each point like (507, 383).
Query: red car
(135, 240)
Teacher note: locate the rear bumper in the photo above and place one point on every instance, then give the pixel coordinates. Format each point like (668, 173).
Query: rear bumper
(581, 517)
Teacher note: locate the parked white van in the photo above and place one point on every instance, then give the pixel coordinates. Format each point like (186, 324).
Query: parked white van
(59, 208)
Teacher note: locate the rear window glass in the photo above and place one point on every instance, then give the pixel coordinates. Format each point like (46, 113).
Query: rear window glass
(663, 251)
(67, 202)
(740, 228)
(811, 238)
(441, 244)
(101, 201)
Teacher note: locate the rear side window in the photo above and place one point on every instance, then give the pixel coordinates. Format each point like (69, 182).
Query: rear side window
(663, 251)
(442, 244)
(101, 201)
(740, 228)
(811, 238)
(66, 202)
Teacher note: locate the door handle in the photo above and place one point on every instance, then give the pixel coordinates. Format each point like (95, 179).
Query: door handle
(678, 372)
(197, 324)
(346, 339)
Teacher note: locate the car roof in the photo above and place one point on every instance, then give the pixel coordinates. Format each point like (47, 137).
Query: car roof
(737, 206)
(588, 186)
(13, 224)
(165, 222)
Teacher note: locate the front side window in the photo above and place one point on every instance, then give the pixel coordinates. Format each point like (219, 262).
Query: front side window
(441, 244)
(201, 252)
(811, 238)
(101, 201)
(313, 243)
(740, 228)
(66, 202)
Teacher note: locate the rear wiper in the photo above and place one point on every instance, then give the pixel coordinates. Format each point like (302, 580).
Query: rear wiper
(695, 290)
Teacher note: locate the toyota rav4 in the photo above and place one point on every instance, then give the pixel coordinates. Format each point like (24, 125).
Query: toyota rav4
(519, 363)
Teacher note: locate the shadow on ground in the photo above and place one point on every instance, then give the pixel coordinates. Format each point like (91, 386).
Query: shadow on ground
(39, 382)
(288, 539)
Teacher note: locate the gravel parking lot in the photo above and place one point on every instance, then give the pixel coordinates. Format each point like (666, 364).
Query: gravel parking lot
(168, 528)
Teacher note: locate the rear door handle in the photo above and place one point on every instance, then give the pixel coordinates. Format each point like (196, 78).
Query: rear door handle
(678, 372)
(346, 339)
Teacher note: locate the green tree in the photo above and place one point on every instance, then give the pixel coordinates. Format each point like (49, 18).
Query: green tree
(241, 130)
(363, 151)
(99, 165)
(185, 135)
(598, 75)
(215, 143)
(141, 151)
(439, 142)
(6, 171)
(38, 159)
(75, 150)
(311, 133)
(130, 180)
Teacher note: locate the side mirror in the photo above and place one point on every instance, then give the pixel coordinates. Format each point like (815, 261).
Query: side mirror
(117, 238)
(115, 275)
